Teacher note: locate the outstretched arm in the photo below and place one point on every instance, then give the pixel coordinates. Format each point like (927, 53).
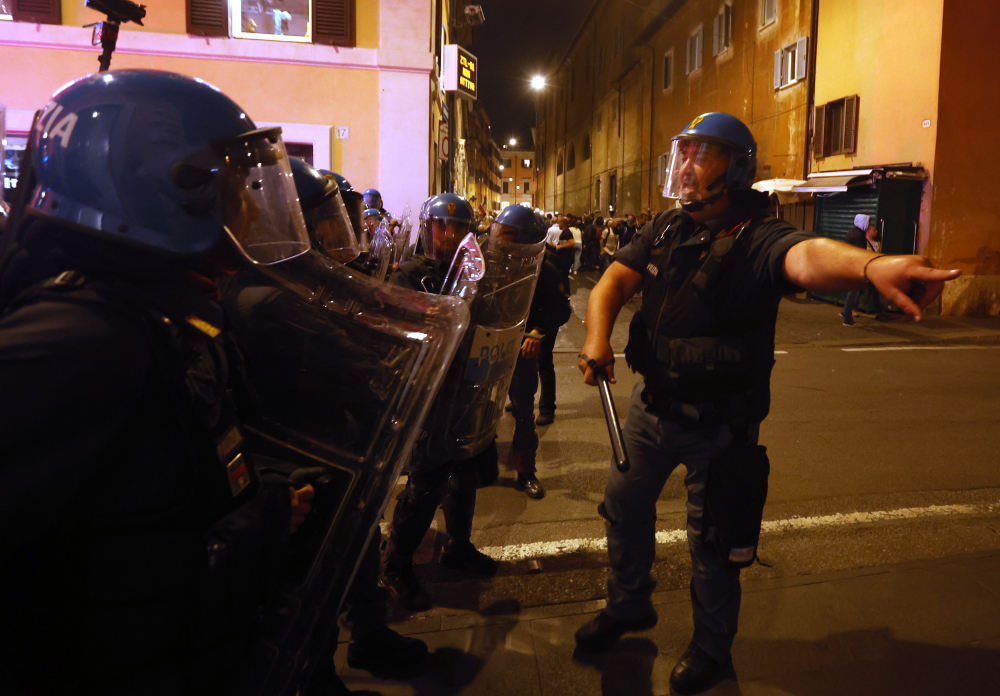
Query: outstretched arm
(826, 264)
(615, 288)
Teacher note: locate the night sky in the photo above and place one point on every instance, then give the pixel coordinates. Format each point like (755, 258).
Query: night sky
(518, 39)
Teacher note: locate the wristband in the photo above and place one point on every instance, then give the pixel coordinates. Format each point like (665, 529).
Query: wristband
(865, 271)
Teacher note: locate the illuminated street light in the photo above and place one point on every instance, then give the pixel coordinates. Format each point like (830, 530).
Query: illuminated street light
(513, 141)
(501, 167)
(538, 83)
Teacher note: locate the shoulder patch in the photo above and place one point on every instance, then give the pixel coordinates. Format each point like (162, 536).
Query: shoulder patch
(652, 270)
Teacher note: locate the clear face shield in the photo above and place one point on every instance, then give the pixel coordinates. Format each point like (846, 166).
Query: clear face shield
(332, 229)
(260, 208)
(441, 236)
(696, 170)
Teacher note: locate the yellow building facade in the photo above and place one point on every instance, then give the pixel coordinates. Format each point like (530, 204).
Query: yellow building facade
(363, 110)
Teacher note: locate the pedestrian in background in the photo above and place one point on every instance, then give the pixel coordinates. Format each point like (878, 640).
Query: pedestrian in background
(609, 242)
(863, 236)
(578, 243)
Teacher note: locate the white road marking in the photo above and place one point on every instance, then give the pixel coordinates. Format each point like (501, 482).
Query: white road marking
(781, 352)
(540, 549)
(881, 348)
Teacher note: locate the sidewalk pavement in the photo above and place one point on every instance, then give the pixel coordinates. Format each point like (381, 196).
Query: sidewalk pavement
(924, 627)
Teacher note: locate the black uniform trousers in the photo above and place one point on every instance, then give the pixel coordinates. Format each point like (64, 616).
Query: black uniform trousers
(523, 386)
(452, 485)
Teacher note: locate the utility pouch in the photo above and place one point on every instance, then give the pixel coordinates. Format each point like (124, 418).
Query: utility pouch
(703, 357)
(735, 494)
(637, 349)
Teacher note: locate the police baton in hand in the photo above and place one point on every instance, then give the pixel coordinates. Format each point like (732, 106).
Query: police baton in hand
(610, 414)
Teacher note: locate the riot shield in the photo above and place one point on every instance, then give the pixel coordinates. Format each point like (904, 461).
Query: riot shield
(345, 369)
(463, 420)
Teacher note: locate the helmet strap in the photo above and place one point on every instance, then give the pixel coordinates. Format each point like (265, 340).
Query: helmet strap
(695, 206)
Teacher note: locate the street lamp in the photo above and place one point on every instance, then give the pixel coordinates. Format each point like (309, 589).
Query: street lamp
(513, 141)
(537, 83)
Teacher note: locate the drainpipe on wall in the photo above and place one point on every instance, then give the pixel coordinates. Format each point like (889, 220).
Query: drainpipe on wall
(652, 130)
(810, 106)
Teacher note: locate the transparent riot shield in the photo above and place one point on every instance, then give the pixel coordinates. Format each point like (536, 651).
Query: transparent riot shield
(345, 369)
(466, 270)
(464, 417)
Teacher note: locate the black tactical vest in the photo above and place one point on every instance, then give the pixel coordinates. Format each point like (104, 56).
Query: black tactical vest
(703, 343)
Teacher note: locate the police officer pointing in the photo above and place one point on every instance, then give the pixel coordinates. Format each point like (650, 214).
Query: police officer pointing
(712, 274)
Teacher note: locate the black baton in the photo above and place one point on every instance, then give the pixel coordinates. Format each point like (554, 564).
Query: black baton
(610, 414)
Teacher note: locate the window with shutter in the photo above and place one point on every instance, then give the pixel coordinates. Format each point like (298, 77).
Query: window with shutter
(819, 132)
(333, 22)
(207, 18)
(850, 143)
(801, 58)
(36, 11)
(768, 12)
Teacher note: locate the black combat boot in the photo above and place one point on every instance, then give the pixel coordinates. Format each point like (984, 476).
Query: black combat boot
(459, 553)
(697, 671)
(604, 630)
(385, 652)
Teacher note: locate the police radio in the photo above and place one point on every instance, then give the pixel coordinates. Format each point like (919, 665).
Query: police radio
(106, 33)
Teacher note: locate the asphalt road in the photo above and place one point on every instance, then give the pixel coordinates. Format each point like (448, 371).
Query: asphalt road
(883, 441)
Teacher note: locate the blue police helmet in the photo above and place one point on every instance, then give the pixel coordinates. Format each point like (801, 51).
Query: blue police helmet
(310, 184)
(731, 133)
(165, 162)
(343, 184)
(372, 198)
(445, 219)
(330, 227)
(372, 213)
(530, 227)
(352, 199)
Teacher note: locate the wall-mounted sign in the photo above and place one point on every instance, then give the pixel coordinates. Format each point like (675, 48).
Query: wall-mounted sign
(444, 144)
(461, 71)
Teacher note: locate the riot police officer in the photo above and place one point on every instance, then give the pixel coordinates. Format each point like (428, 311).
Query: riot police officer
(435, 478)
(712, 274)
(373, 200)
(549, 310)
(138, 545)
(374, 646)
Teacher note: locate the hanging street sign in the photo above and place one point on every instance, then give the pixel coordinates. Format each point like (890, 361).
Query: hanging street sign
(461, 72)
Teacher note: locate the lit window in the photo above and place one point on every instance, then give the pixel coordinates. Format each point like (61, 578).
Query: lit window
(526, 163)
(261, 19)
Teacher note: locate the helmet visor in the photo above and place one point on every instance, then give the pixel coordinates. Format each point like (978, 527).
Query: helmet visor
(695, 169)
(262, 216)
(441, 236)
(517, 241)
(332, 229)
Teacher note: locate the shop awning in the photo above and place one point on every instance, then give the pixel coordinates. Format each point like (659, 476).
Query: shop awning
(784, 189)
(835, 183)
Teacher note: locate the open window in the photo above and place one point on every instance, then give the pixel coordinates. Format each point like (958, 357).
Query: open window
(791, 63)
(297, 21)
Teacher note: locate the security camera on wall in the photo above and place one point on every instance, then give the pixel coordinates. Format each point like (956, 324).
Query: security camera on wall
(474, 15)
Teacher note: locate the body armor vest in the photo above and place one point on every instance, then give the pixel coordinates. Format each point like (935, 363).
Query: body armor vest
(702, 343)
